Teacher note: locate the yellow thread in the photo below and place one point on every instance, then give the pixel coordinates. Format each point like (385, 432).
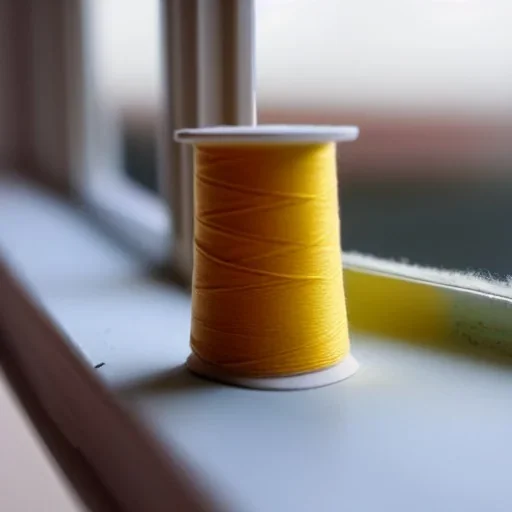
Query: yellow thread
(268, 295)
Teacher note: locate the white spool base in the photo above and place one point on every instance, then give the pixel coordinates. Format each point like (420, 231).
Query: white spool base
(267, 133)
(320, 378)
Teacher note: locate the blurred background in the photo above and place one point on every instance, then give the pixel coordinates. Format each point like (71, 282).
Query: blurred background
(429, 82)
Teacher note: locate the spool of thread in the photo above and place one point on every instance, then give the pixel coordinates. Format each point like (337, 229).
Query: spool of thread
(268, 303)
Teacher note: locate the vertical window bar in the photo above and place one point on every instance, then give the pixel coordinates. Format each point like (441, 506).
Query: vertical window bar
(209, 74)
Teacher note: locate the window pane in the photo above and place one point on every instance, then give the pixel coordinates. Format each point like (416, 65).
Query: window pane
(429, 82)
(126, 57)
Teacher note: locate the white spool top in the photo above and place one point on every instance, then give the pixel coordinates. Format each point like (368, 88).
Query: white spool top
(292, 134)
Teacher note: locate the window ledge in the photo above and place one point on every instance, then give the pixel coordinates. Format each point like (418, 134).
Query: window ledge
(139, 217)
(414, 429)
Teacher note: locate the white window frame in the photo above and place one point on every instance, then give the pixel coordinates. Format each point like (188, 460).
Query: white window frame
(209, 78)
(141, 218)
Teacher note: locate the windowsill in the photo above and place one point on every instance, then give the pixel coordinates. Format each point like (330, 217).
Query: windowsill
(138, 216)
(414, 429)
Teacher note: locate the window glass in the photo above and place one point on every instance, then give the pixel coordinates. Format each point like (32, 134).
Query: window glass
(429, 82)
(127, 78)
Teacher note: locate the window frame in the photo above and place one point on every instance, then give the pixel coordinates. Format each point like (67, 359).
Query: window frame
(209, 78)
(140, 218)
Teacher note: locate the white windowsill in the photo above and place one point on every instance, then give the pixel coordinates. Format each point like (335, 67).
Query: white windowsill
(414, 429)
(140, 217)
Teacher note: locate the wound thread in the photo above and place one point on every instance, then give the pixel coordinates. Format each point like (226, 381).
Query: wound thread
(267, 297)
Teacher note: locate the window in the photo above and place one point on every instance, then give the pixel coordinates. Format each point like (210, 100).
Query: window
(428, 82)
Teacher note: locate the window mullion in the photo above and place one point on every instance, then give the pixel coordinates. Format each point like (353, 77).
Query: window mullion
(209, 75)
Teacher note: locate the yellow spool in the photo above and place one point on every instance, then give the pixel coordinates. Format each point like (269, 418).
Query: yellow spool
(268, 307)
